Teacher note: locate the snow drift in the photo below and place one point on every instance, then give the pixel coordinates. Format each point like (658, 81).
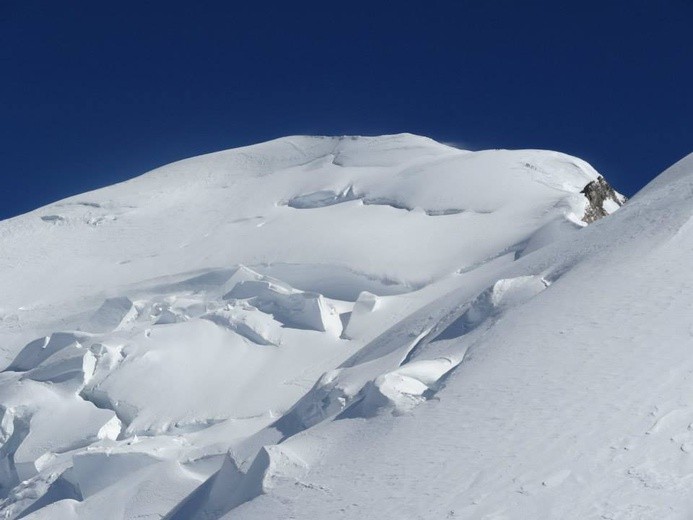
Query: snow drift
(356, 327)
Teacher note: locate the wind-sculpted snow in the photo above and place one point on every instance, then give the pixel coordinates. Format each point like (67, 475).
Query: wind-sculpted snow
(568, 402)
(262, 332)
(287, 305)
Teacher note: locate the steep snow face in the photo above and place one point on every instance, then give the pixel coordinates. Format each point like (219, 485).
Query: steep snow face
(566, 391)
(175, 344)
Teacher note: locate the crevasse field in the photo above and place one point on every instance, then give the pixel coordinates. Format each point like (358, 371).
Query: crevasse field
(350, 328)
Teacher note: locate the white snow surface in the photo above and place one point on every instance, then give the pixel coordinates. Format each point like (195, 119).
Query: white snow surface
(354, 327)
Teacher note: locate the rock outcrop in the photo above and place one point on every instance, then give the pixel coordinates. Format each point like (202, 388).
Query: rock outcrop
(599, 193)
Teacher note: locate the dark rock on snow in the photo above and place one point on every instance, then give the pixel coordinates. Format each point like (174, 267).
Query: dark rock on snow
(597, 192)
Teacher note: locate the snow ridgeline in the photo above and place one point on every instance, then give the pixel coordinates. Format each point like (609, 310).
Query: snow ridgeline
(216, 312)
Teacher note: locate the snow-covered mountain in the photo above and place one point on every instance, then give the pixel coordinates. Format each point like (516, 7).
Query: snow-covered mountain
(356, 327)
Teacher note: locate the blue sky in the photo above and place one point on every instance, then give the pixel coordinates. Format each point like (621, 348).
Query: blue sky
(98, 92)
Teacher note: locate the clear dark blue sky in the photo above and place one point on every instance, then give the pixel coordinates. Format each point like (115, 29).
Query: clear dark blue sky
(96, 92)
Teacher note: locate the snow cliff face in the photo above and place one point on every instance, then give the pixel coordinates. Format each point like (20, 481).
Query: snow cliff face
(355, 327)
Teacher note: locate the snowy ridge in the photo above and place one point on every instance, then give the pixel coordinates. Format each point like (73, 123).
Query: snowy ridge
(264, 332)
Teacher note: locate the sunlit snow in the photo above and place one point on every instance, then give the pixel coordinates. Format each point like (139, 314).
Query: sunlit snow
(354, 327)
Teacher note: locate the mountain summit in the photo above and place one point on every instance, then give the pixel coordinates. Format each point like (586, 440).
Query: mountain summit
(351, 327)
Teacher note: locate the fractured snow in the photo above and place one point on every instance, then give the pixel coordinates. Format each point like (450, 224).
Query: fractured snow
(349, 327)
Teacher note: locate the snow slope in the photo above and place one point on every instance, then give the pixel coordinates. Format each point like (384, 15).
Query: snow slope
(349, 327)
